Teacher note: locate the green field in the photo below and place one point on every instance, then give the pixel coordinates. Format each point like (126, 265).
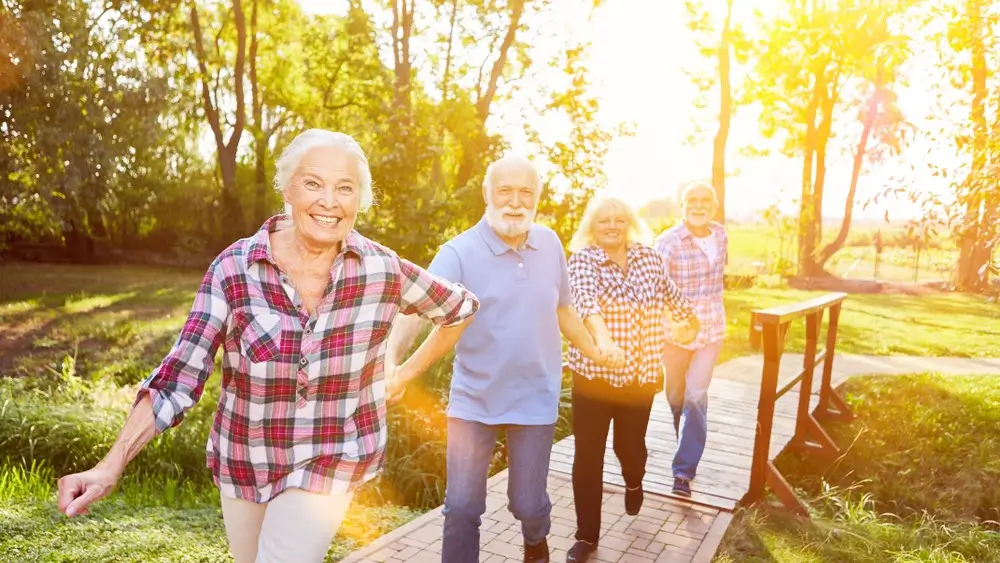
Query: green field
(758, 248)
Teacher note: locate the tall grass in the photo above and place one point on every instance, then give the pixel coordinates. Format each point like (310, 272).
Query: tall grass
(917, 481)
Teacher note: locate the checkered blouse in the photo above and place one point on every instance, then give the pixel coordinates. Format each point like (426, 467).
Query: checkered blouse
(303, 397)
(632, 306)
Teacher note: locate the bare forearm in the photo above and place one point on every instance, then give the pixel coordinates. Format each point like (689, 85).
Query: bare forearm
(597, 327)
(575, 331)
(434, 347)
(401, 337)
(139, 430)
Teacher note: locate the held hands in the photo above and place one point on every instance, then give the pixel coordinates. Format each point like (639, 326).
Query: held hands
(79, 490)
(686, 332)
(611, 355)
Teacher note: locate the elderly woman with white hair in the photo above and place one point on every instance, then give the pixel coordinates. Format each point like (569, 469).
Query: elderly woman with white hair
(302, 310)
(621, 290)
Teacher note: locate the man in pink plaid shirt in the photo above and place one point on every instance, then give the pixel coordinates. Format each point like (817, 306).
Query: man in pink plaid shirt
(694, 254)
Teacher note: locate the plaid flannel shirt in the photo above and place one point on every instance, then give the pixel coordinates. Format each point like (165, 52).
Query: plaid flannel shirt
(303, 397)
(632, 306)
(700, 281)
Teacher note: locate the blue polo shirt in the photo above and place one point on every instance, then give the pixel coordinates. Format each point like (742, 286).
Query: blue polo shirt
(508, 362)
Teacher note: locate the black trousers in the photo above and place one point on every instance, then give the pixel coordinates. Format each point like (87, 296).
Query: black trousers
(595, 404)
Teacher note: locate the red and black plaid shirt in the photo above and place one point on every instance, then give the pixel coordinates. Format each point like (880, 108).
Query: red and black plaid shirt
(303, 397)
(632, 306)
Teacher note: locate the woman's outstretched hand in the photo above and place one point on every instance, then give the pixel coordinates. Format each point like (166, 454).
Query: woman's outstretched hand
(79, 490)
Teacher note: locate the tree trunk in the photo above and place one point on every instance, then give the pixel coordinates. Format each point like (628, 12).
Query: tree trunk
(827, 103)
(725, 114)
(871, 114)
(402, 28)
(972, 256)
(806, 231)
(259, 138)
(436, 173)
(480, 143)
(226, 150)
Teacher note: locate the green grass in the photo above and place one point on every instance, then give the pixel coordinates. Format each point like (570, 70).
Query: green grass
(142, 521)
(74, 341)
(755, 246)
(940, 324)
(917, 481)
(119, 321)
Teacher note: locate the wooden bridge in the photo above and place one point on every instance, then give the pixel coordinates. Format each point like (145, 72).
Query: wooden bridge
(756, 411)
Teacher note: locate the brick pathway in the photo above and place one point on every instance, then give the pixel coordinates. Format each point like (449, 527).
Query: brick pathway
(664, 531)
(667, 530)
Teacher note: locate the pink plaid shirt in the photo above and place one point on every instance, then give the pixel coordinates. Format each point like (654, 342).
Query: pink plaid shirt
(303, 397)
(632, 306)
(698, 280)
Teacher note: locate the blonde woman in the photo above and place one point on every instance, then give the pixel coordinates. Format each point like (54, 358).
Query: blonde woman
(621, 290)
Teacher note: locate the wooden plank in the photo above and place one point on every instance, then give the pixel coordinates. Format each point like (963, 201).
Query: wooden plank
(785, 313)
(713, 539)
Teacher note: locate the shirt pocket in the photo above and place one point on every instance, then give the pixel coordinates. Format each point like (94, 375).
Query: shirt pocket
(259, 332)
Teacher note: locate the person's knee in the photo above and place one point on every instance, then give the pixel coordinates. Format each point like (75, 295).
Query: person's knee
(696, 397)
(464, 503)
(530, 506)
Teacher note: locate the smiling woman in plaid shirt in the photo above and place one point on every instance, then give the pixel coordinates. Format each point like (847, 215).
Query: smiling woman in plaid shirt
(621, 291)
(302, 310)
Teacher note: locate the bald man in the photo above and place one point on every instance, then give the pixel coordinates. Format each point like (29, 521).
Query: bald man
(508, 363)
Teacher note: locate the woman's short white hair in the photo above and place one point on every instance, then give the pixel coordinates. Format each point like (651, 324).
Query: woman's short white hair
(313, 138)
(636, 231)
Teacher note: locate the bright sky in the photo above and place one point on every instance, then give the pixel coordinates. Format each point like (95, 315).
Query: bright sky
(640, 49)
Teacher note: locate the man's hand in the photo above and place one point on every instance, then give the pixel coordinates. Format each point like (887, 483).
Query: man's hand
(686, 332)
(80, 490)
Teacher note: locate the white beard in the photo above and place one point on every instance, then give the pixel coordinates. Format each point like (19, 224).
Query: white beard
(507, 228)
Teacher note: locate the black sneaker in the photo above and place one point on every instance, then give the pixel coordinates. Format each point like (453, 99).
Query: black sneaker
(633, 500)
(580, 552)
(538, 553)
(682, 487)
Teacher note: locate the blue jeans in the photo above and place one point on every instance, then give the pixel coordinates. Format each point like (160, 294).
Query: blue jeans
(688, 375)
(470, 449)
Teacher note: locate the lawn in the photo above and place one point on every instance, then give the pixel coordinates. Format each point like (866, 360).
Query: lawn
(74, 340)
(118, 321)
(917, 482)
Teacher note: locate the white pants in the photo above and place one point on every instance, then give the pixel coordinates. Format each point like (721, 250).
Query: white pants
(296, 526)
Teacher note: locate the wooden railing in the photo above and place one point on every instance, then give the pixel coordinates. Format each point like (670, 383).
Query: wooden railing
(768, 329)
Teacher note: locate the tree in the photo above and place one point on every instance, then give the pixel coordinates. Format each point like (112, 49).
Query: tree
(723, 45)
(576, 159)
(973, 30)
(80, 130)
(216, 97)
(836, 43)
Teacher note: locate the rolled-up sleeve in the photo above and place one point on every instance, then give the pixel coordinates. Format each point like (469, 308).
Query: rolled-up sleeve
(177, 383)
(437, 299)
(583, 279)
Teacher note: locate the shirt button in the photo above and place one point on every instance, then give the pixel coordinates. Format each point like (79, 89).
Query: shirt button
(520, 264)
(303, 362)
(308, 330)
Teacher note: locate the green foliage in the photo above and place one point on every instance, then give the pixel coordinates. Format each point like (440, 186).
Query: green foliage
(106, 114)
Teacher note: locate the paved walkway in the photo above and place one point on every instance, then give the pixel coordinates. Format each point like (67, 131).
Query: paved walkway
(668, 529)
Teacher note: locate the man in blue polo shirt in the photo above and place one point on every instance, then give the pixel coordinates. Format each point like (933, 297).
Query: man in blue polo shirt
(508, 362)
